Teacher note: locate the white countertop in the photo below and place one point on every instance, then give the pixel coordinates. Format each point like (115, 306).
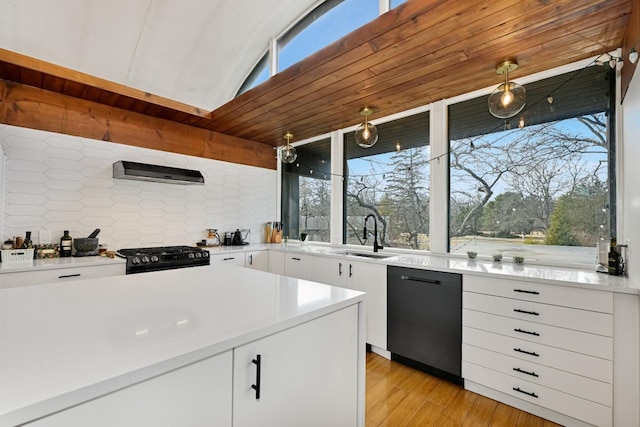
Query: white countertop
(51, 263)
(505, 269)
(68, 342)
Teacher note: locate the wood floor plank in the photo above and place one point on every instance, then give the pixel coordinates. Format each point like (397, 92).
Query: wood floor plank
(505, 416)
(526, 419)
(403, 413)
(481, 412)
(428, 415)
(399, 396)
(379, 412)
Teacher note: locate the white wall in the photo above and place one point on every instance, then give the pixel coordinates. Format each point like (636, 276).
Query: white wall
(631, 205)
(59, 182)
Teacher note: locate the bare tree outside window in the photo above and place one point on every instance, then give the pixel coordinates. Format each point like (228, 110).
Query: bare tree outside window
(539, 189)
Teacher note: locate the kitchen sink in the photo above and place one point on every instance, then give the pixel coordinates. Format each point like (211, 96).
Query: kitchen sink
(371, 255)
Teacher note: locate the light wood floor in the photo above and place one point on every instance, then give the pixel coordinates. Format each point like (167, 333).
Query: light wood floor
(397, 395)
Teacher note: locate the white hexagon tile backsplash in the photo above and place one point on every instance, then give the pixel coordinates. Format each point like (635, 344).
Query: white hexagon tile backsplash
(58, 182)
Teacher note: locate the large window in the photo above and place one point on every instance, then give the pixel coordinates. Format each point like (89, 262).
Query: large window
(539, 185)
(327, 23)
(390, 181)
(306, 192)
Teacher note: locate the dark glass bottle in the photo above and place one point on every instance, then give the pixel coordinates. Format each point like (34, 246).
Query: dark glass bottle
(614, 267)
(65, 244)
(27, 244)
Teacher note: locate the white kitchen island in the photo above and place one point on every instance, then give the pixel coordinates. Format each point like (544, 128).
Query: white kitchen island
(177, 348)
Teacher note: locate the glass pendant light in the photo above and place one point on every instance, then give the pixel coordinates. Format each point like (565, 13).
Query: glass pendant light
(366, 134)
(509, 98)
(288, 153)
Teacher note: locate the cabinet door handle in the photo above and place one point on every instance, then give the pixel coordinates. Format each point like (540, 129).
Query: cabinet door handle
(524, 291)
(228, 259)
(69, 275)
(525, 392)
(533, 313)
(522, 331)
(251, 259)
(533, 374)
(339, 269)
(420, 279)
(258, 362)
(295, 259)
(530, 353)
(350, 270)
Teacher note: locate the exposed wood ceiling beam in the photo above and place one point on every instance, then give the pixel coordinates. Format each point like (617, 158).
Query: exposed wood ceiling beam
(35, 70)
(26, 106)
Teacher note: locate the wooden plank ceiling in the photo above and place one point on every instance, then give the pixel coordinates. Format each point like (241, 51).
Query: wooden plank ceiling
(419, 52)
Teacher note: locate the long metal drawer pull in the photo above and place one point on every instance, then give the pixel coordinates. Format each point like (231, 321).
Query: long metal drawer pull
(228, 259)
(420, 279)
(533, 374)
(69, 275)
(251, 259)
(522, 331)
(350, 270)
(296, 259)
(525, 392)
(533, 313)
(523, 291)
(530, 353)
(339, 269)
(258, 362)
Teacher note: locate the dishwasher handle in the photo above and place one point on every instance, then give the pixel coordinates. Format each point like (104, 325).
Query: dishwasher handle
(420, 279)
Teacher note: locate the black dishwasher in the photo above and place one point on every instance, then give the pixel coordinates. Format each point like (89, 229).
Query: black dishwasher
(424, 320)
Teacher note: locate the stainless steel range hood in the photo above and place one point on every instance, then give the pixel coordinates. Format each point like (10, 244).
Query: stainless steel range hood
(123, 169)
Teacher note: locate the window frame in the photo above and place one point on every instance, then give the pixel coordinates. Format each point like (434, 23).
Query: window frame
(439, 173)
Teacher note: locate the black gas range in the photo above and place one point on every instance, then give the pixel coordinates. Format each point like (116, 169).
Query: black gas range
(142, 260)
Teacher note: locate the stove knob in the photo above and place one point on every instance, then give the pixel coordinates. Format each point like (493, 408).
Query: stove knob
(191, 255)
(198, 255)
(154, 258)
(205, 254)
(135, 260)
(145, 259)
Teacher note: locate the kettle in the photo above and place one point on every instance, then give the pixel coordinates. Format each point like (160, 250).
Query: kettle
(237, 238)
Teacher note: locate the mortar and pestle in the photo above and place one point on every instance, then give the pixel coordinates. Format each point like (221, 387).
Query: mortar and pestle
(87, 246)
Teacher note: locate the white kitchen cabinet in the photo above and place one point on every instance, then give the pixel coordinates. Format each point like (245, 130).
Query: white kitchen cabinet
(236, 258)
(537, 344)
(298, 266)
(371, 278)
(257, 260)
(276, 262)
(331, 271)
(302, 379)
(65, 274)
(194, 396)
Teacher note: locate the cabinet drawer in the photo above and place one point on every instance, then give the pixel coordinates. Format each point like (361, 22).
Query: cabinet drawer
(581, 409)
(54, 275)
(235, 258)
(566, 296)
(576, 363)
(581, 342)
(576, 385)
(571, 318)
(298, 266)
